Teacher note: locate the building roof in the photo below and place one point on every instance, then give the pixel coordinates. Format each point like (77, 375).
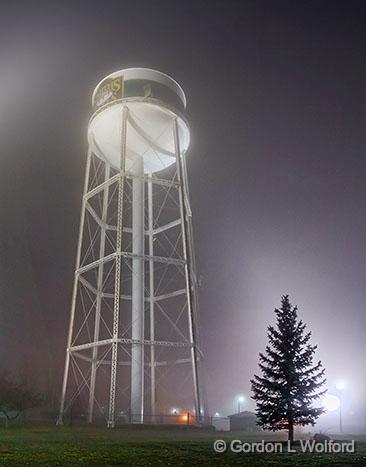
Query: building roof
(244, 414)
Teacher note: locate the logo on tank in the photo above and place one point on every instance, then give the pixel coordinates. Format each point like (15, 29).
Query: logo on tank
(109, 90)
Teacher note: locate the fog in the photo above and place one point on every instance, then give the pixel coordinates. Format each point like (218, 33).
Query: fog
(277, 167)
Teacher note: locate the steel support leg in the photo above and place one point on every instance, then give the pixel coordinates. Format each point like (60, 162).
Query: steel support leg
(188, 273)
(74, 292)
(137, 350)
(117, 282)
(192, 262)
(151, 299)
(98, 305)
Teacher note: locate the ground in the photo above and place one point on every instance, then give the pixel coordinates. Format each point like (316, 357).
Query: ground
(81, 446)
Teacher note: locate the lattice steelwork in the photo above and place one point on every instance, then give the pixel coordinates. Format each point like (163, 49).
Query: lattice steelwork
(133, 350)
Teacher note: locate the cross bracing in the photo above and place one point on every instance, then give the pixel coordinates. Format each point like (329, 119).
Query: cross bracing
(102, 350)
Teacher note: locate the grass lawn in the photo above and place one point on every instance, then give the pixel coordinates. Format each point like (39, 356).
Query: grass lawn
(81, 446)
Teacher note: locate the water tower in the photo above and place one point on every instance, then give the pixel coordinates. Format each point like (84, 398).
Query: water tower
(133, 346)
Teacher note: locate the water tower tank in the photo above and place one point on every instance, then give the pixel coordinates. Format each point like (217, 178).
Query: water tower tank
(154, 100)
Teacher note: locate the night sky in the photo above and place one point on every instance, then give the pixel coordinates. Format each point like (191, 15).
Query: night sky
(277, 166)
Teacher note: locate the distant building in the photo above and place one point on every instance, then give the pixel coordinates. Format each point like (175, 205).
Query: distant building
(244, 421)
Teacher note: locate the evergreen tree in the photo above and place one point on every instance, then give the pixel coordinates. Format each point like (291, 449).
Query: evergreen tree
(290, 382)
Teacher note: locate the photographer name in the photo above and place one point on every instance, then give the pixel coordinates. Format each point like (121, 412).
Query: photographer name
(312, 446)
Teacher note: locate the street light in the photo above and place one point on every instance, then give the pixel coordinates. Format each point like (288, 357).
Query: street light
(241, 399)
(340, 386)
(331, 403)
